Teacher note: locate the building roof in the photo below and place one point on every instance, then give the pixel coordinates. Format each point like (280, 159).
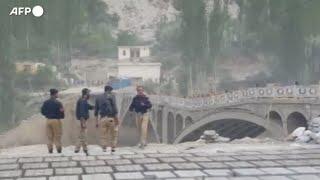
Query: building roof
(140, 59)
(30, 63)
(136, 46)
(138, 64)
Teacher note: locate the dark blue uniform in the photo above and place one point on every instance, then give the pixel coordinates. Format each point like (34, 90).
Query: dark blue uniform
(82, 109)
(140, 104)
(106, 106)
(52, 109)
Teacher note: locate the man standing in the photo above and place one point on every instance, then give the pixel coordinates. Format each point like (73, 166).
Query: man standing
(53, 110)
(82, 114)
(141, 105)
(106, 111)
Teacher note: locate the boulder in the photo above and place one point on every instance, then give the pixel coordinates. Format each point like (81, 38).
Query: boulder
(314, 125)
(316, 137)
(222, 139)
(210, 133)
(303, 139)
(298, 132)
(211, 136)
(308, 133)
(301, 135)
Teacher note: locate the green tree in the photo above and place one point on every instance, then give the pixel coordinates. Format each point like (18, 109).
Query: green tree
(203, 31)
(126, 38)
(217, 25)
(281, 29)
(49, 38)
(44, 77)
(6, 64)
(192, 41)
(168, 36)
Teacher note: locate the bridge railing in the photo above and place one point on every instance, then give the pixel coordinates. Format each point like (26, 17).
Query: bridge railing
(240, 96)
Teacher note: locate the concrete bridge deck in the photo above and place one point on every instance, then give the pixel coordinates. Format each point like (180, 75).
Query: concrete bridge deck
(282, 163)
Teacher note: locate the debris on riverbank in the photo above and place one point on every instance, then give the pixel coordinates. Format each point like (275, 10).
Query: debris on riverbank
(307, 135)
(211, 136)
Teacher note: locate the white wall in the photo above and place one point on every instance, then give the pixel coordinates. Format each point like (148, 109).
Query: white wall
(145, 71)
(121, 55)
(144, 51)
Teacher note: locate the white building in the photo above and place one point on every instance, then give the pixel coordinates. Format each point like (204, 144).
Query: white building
(32, 67)
(140, 70)
(129, 52)
(135, 62)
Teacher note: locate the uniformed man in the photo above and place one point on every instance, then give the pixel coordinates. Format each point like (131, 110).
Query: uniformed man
(106, 114)
(82, 114)
(141, 106)
(53, 110)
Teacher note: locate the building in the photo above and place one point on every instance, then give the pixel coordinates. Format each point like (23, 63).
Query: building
(28, 67)
(140, 70)
(135, 62)
(129, 52)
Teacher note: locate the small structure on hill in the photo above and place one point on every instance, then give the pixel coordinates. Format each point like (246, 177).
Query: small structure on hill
(32, 67)
(129, 52)
(135, 62)
(28, 67)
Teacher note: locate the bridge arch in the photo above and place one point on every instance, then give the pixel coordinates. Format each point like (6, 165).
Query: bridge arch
(170, 126)
(228, 115)
(295, 120)
(275, 117)
(179, 123)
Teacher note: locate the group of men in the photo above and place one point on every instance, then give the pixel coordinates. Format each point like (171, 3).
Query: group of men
(106, 115)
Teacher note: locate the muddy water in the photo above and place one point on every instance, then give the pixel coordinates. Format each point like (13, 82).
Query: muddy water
(32, 131)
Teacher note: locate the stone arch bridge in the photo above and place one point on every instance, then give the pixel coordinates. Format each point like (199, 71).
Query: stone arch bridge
(273, 111)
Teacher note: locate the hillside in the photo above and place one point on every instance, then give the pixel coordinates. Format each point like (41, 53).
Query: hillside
(143, 16)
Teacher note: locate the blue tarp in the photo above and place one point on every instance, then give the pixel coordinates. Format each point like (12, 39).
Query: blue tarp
(120, 83)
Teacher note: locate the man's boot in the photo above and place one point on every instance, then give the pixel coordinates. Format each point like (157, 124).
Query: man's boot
(86, 152)
(141, 146)
(144, 144)
(59, 150)
(76, 151)
(113, 149)
(50, 151)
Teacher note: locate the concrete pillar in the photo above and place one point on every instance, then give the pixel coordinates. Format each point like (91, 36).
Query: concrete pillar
(308, 112)
(174, 125)
(285, 121)
(153, 121)
(154, 118)
(285, 127)
(165, 125)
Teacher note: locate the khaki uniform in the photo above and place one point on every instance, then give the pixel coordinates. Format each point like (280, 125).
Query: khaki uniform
(142, 121)
(54, 133)
(82, 136)
(108, 132)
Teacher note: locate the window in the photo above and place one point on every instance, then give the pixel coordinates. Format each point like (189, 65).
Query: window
(27, 68)
(124, 52)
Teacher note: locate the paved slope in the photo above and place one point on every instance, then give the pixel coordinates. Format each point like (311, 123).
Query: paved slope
(163, 162)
